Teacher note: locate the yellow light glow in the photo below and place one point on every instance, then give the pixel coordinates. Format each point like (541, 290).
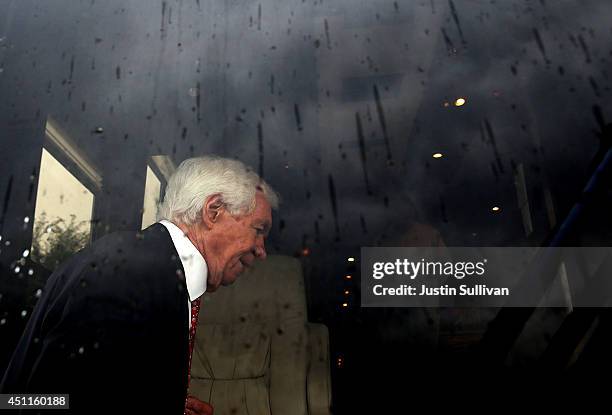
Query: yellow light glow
(495, 209)
(346, 292)
(437, 155)
(344, 304)
(348, 277)
(351, 259)
(459, 102)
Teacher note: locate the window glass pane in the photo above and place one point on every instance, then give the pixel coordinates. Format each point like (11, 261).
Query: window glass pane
(62, 202)
(151, 198)
(381, 123)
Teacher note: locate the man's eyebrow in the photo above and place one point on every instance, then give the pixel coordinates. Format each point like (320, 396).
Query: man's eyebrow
(266, 224)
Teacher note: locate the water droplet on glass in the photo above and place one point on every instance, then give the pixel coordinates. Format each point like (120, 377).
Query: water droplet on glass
(26, 253)
(24, 313)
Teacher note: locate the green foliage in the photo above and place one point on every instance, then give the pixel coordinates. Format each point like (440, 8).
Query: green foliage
(55, 241)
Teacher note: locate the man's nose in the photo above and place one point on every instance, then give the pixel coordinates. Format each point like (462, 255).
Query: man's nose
(260, 250)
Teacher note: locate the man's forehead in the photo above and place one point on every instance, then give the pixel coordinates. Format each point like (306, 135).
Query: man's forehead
(261, 202)
(262, 214)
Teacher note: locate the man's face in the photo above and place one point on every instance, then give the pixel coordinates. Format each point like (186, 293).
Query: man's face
(235, 242)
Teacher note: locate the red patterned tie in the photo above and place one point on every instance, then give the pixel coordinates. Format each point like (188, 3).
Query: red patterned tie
(195, 312)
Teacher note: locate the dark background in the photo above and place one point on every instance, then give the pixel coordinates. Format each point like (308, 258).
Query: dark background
(340, 105)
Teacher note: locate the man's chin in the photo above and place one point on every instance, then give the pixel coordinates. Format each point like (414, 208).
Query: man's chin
(211, 288)
(231, 276)
(230, 279)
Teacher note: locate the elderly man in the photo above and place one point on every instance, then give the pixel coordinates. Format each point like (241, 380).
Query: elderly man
(114, 327)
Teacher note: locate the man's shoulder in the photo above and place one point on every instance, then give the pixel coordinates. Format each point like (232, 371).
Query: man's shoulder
(121, 263)
(151, 244)
(156, 234)
(124, 253)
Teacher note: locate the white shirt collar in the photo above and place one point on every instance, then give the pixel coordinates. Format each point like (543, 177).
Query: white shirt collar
(194, 264)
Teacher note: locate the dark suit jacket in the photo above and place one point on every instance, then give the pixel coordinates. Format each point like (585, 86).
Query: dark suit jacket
(111, 329)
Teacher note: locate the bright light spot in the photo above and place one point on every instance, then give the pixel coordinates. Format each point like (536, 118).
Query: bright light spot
(346, 292)
(437, 155)
(81, 350)
(24, 313)
(30, 271)
(26, 219)
(459, 102)
(348, 277)
(0, 237)
(351, 259)
(344, 304)
(17, 269)
(495, 209)
(38, 293)
(2, 322)
(49, 229)
(26, 253)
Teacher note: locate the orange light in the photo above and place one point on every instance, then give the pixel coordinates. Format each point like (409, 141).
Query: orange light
(437, 155)
(460, 102)
(348, 277)
(344, 304)
(495, 208)
(346, 292)
(305, 252)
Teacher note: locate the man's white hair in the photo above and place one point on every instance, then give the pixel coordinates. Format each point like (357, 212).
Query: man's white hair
(196, 179)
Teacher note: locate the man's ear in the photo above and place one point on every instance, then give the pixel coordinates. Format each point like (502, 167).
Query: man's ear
(212, 209)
